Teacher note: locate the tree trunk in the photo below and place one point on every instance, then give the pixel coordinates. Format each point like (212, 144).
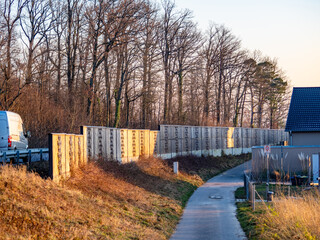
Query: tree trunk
(145, 93)
(219, 99)
(252, 109)
(180, 98)
(108, 84)
(58, 84)
(271, 117)
(260, 109)
(206, 98)
(29, 63)
(7, 76)
(120, 75)
(166, 96)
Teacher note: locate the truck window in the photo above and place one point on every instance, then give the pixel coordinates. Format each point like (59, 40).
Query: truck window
(3, 127)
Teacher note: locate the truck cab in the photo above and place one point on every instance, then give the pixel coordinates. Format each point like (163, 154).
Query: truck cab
(12, 133)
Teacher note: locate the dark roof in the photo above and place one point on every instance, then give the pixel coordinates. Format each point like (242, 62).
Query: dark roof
(304, 111)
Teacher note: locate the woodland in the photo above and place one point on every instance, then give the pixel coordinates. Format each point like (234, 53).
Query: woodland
(130, 64)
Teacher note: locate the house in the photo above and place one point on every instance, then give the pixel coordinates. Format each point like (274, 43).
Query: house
(303, 122)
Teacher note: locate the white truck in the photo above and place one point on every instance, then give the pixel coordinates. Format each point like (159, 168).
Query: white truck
(12, 133)
(14, 141)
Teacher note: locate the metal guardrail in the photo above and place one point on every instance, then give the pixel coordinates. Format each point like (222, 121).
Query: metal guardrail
(24, 155)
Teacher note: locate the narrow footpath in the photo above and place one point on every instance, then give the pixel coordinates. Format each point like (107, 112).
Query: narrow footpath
(211, 211)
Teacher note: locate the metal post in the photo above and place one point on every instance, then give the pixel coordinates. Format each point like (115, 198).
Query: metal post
(4, 158)
(268, 169)
(18, 155)
(41, 158)
(247, 186)
(267, 190)
(254, 197)
(29, 157)
(281, 163)
(245, 183)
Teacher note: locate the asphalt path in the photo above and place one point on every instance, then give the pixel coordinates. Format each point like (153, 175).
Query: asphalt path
(211, 211)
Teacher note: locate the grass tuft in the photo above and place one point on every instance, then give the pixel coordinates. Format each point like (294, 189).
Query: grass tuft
(285, 218)
(293, 218)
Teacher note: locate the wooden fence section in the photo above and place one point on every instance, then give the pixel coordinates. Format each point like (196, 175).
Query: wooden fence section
(66, 153)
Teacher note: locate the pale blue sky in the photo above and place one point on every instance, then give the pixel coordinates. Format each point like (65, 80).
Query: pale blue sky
(288, 30)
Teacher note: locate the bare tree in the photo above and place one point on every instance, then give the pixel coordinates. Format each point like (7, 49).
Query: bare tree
(54, 40)
(148, 39)
(10, 14)
(228, 49)
(187, 41)
(128, 63)
(74, 15)
(209, 54)
(111, 19)
(126, 57)
(247, 71)
(35, 21)
(171, 23)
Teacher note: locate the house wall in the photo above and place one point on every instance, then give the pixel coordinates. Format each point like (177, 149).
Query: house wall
(288, 159)
(305, 138)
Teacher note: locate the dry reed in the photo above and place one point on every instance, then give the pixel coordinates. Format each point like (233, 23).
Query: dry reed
(292, 218)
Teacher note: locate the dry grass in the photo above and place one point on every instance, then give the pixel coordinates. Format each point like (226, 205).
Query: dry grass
(284, 218)
(31, 208)
(292, 218)
(104, 200)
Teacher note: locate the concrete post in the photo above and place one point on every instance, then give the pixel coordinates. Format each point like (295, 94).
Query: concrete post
(176, 167)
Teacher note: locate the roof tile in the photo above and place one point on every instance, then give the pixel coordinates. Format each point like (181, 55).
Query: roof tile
(304, 111)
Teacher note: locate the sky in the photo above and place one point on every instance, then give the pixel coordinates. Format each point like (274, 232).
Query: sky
(286, 30)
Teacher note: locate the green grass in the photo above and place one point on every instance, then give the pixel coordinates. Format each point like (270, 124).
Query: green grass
(186, 191)
(247, 219)
(240, 193)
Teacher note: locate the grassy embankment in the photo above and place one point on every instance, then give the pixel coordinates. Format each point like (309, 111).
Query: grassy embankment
(295, 217)
(104, 200)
